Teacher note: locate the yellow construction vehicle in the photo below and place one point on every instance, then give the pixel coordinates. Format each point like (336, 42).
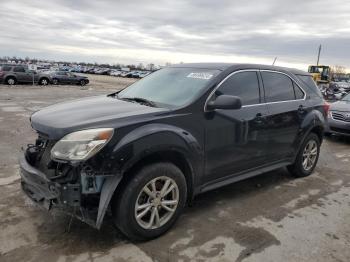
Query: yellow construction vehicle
(320, 73)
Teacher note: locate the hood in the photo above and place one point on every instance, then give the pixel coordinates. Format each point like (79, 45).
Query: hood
(341, 105)
(101, 111)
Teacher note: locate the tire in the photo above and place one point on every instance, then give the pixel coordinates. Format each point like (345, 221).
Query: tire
(11, 81)
(299, 169)
(125, 202)
(82, 82)
(55, 81)
(44, 81)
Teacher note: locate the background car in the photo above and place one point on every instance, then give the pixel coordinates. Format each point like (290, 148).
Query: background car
(13, 74)
(63, 77)
(339, 117)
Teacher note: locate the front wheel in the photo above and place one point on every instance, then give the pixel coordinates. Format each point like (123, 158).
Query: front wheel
(307, 157)
(82, 82)
(150, 202)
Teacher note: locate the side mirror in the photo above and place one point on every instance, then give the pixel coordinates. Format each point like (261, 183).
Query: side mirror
(225, 102)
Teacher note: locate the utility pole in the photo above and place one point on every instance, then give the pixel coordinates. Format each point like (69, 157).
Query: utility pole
(274, 61)
(319, 53)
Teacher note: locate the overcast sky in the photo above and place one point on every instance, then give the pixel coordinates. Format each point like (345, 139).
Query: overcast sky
(135, 32)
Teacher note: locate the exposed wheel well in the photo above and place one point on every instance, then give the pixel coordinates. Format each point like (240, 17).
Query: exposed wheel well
(318, 130)
(164, 156)
(44, 77)
(8, 77)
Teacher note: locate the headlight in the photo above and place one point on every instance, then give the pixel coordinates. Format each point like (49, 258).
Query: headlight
(81, 145)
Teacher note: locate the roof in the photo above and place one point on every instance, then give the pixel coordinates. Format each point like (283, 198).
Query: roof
(237, 66)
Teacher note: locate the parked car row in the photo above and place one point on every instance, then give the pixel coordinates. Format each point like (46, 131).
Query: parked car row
(335, 90)
(17, 74)
(111, 72)
(131, 74)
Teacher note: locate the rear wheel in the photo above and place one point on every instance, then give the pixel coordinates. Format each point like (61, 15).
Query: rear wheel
(55, 81)
(307, 157)
(11, 81)
(82, 82)
(44, 81)
(150, 202)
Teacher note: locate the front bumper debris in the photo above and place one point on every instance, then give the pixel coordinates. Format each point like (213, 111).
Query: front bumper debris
(69, 197)
(36, 186)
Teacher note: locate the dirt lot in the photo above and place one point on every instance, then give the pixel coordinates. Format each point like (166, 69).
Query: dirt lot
(272, 217)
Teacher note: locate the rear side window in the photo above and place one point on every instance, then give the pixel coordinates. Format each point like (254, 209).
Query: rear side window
(278, 87)
(6, 68)
(308, 81)
(19, 69)
(299, 94)
(244, 85)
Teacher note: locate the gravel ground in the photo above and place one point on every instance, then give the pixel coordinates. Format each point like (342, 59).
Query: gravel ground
(272, 217)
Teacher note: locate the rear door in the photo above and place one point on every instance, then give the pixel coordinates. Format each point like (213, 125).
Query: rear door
(287, 108)
(62, 77)
(236, 140)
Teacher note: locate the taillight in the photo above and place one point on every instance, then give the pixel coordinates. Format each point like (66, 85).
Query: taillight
(2, 73)
(326, 107)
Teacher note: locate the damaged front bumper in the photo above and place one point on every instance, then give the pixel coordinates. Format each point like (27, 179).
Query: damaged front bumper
(68, 197)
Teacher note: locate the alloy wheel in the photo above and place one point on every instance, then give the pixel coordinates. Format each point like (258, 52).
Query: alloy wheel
(157, 202)
(11, 81)
(310, 155)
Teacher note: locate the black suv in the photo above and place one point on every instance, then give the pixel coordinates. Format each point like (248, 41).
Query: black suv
(147, 150)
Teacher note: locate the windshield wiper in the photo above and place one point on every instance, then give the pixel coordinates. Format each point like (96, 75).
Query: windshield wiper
(139, 100)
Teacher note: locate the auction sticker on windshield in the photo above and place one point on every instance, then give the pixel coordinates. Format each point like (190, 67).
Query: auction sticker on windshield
(205, 76)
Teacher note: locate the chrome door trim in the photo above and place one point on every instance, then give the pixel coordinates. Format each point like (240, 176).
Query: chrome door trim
(255, 70)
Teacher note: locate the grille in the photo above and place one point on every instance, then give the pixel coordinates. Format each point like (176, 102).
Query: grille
(341, 116)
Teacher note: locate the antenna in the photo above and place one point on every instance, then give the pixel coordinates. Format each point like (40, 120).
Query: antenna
(274, 61)
(319, 54)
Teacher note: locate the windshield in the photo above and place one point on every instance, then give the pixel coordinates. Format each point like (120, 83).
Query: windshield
(346, 98)
(170, 87)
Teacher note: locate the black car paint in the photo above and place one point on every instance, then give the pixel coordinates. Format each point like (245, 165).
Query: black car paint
(214, 148)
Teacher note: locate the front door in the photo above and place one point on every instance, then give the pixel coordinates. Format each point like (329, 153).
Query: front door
(236, 139)
(22, 74)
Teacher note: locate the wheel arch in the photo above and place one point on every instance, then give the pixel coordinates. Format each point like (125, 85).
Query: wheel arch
(318, 130)
(148, 144)
(170, 156)
(10, 76)
(44, 77)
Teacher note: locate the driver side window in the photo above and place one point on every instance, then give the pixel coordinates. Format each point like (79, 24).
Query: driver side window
(244, 85)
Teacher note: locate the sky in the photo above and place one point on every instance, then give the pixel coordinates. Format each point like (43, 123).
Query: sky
(133, 32)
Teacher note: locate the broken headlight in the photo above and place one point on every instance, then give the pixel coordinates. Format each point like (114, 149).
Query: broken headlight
(81, 145)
